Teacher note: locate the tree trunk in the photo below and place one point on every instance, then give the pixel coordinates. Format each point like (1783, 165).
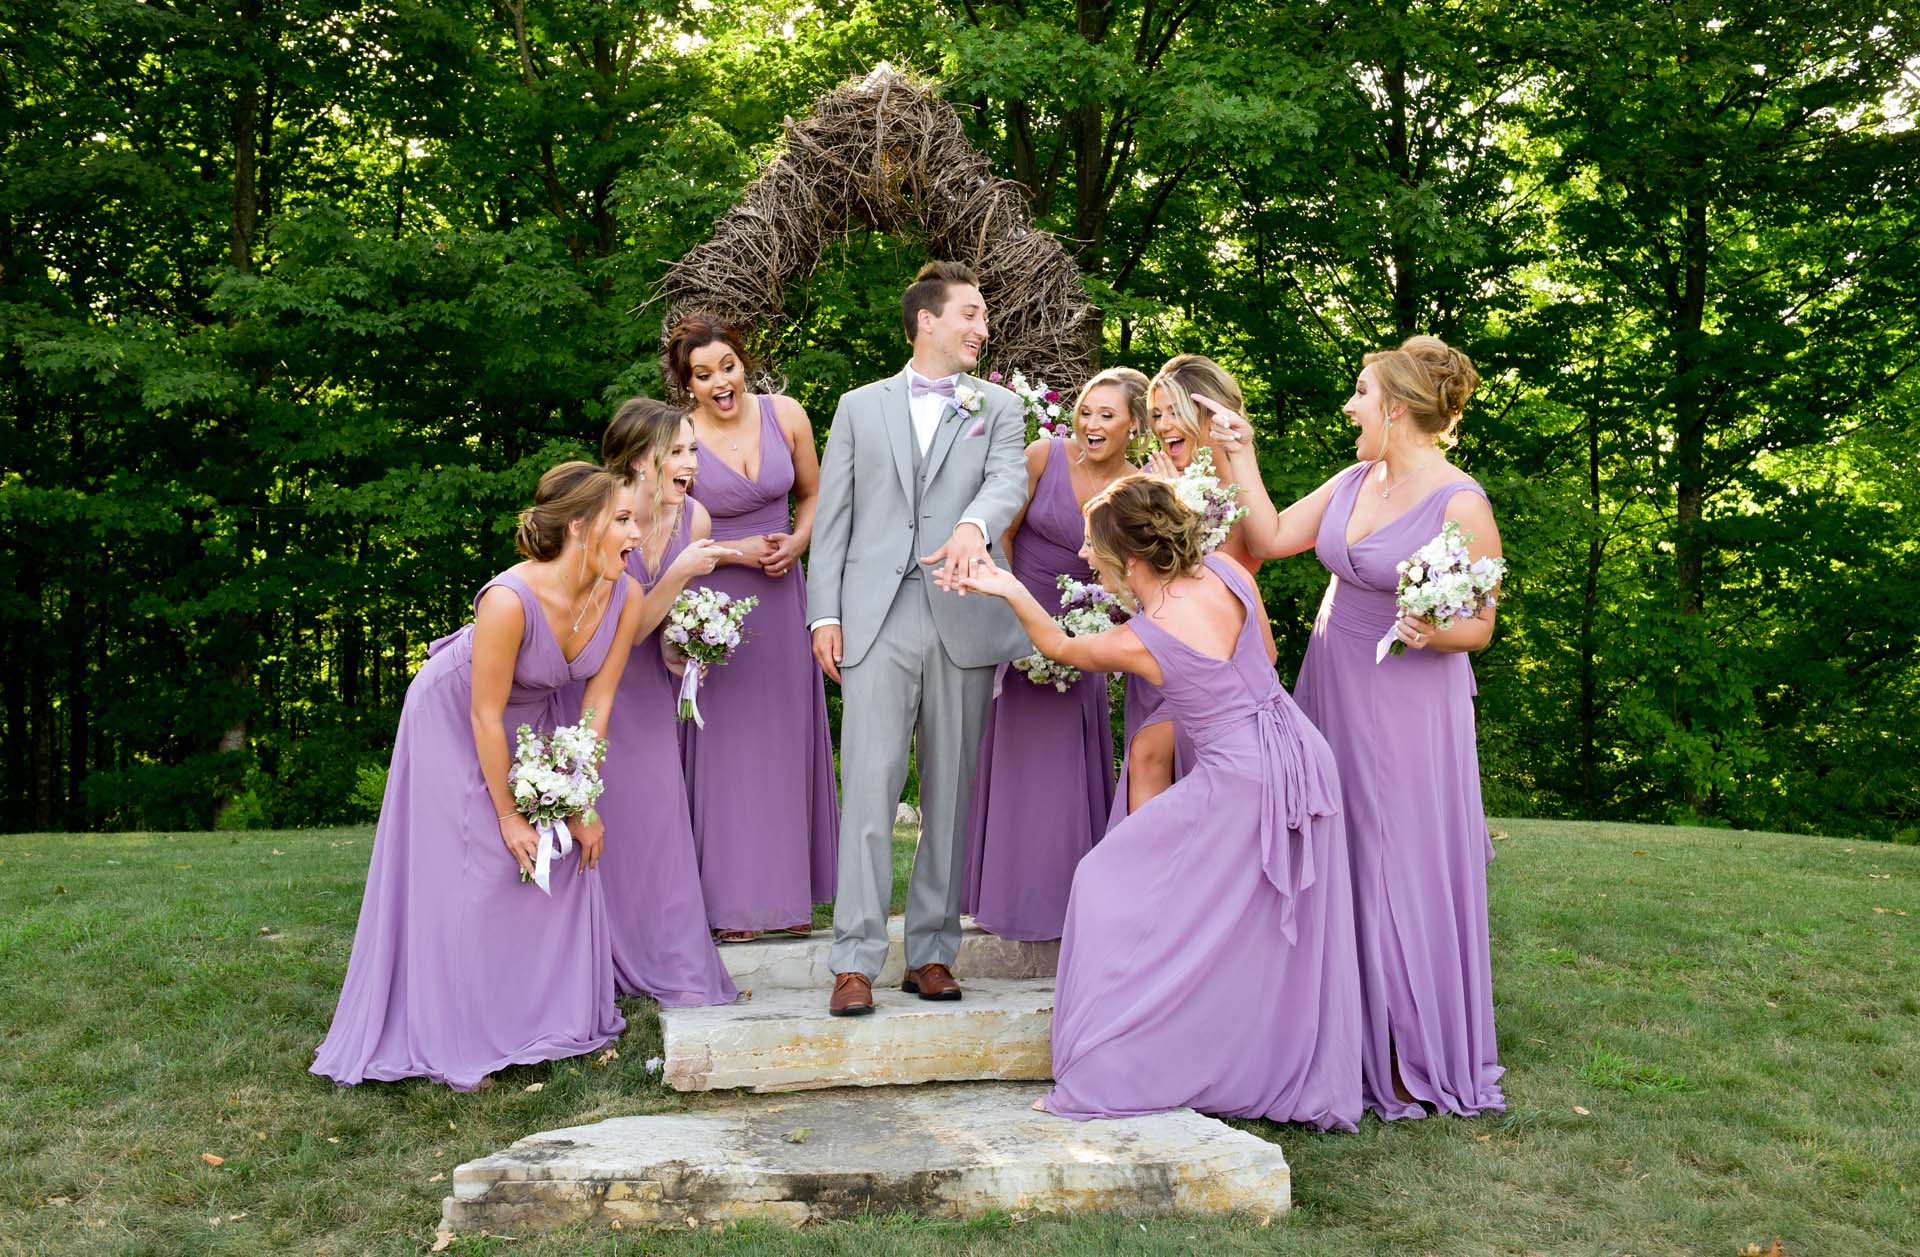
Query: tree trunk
(1405, 258)
(1589, 606)
(1690, 412)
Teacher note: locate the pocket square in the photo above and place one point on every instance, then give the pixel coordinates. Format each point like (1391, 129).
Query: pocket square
(979, 428)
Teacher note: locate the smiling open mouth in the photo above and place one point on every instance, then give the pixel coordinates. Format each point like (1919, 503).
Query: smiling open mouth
(683, 483)
(723, 400)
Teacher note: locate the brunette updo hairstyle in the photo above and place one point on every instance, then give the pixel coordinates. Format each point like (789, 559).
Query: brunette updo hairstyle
(573, 490)
(1132, 384)
(697, 331)
(1430, 379)
(1139, 517)
(1187, 374)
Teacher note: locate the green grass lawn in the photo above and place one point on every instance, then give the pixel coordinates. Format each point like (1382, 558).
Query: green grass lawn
(1712, 1039)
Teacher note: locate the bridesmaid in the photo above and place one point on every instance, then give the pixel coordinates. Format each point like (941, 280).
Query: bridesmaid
(1209, 956)
(458, 967)
(661, 946)
(1180, 399)
(1045, 779)
(769, 853)
(1403, 729)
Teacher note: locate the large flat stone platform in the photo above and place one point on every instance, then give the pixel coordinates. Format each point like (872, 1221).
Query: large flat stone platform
(943, 1151)
(803, 962)
(784, 1040)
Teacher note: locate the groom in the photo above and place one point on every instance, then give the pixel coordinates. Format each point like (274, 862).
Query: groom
(922, 472)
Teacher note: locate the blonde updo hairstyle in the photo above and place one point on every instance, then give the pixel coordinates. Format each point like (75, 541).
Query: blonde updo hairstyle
(1132, 385)
(1429, 380)
(572, 491)
(1139, 517)
(1187, 374)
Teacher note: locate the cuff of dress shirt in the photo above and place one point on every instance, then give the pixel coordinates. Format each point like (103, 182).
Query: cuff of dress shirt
(822, 622)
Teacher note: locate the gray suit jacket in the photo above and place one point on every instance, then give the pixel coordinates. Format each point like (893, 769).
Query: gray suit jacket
(863, 533)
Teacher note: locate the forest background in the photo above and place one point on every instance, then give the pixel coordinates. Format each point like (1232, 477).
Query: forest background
(298, 298)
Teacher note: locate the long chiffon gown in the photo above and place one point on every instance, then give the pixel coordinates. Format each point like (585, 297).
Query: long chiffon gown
(1045, 779)
(1209, 955)
(1402, 731)
(766, 827)
(661, 946)
(458, 967)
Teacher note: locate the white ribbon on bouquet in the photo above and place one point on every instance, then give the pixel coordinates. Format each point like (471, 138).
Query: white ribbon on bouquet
(1386, 643)
(689, 706)
(556, 840)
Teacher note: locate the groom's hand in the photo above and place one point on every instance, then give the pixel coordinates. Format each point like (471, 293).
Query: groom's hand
(829, 650)
(964, 551)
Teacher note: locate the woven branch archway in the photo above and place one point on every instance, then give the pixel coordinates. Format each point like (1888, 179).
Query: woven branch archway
(888, 153)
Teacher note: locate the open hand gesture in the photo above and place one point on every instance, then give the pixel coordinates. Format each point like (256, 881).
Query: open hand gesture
(988, 577)
(965, 551)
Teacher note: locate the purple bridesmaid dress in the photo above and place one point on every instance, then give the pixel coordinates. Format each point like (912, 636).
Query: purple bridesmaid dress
(1209, 957)
(1045, 779)
(459, 968)
(661, 946)
(766, 826)
(1402, 731)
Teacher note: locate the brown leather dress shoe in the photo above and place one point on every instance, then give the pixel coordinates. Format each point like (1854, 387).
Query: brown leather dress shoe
(852, 995)
(931, 982)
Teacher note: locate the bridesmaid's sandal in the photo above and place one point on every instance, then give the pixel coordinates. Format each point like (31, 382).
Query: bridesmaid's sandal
(1040, 1105)
(797, 931)
(735, 936)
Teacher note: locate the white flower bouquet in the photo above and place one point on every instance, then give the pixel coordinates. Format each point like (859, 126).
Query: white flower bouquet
(1217, 505)
(555, 776)
(704, 627)
(1041, 406)
(1085, 609)
(1439, 582)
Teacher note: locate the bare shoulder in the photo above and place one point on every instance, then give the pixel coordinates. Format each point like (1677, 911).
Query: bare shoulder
(1038, 451)
(791, 415)
(701, 525)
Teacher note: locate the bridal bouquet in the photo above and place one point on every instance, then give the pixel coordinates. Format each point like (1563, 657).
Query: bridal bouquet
(704, 626)
(1041, 406)
(1085, 609)
(1439, 582)
(555, 776)
(1217, 505)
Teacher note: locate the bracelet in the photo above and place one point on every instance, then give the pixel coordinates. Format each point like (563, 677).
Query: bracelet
(504, 815)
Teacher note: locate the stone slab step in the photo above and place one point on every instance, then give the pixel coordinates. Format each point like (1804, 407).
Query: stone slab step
(803, 962)
(784, 1040)
(947, 1152)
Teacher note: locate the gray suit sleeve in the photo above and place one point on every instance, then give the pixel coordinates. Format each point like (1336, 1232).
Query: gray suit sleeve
(832, 521)
(1004, 491)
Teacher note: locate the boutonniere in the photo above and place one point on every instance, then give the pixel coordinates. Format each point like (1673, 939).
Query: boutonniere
(968, 399)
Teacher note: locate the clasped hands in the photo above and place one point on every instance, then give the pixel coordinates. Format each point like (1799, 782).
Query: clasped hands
(774, 553)
(523, 841)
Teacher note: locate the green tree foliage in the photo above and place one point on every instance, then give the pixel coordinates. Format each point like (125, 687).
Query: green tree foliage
(296, 301)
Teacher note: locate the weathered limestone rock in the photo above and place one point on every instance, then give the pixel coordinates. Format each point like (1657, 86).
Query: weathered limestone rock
(784, 1039)
(803, 962)
(949, 1152)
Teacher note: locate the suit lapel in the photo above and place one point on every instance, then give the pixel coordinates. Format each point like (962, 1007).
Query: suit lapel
(897, 417)
(949, 430)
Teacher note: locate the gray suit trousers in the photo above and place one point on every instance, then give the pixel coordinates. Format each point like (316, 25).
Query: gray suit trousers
(905, 685)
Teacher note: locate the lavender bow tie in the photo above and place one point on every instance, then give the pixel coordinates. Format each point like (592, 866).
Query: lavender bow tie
(917, 387)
